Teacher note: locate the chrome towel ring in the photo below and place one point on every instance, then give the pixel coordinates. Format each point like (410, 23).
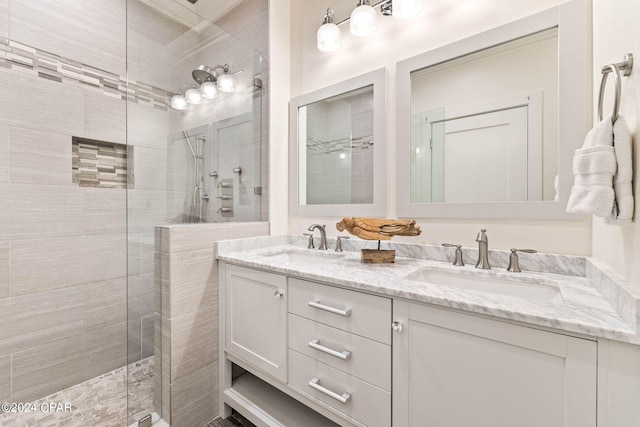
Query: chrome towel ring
(618, 70)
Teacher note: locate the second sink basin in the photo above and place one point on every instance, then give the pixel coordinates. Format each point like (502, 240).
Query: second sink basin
(483, 283)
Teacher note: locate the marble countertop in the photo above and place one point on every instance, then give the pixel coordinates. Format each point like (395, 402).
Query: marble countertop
(580, 308)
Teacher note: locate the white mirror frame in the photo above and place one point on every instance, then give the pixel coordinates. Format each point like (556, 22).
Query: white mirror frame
(574, 111)
(377, 78)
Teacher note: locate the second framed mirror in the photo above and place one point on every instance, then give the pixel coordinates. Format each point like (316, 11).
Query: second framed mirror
(337, 163)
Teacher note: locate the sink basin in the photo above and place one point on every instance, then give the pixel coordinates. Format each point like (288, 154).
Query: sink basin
(493, 285)
(300, 255)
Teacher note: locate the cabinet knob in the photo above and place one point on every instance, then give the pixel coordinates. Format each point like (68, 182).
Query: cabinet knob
(278, 294)
(397, 326)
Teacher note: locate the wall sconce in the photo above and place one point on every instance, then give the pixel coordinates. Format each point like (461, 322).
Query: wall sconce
(363, 21)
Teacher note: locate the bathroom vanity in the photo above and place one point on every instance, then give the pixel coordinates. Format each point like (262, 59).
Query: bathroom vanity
(422, 342)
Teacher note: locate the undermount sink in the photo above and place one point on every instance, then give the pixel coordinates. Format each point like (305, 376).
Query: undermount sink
(301, 255)
(540, 292)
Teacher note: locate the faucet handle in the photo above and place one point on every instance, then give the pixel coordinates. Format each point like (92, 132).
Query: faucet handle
(458, 257)
(310, 245)
(339, 242)
(513, 259)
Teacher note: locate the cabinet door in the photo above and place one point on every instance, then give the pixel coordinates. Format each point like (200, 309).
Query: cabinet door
(454, 370)
(256, 318)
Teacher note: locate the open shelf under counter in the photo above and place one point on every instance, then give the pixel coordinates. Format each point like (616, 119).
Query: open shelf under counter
(266, 406)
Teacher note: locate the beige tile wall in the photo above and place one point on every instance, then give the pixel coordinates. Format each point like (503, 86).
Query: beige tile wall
(63, 289)
(92, 32)
(4, 154)
(188, 274)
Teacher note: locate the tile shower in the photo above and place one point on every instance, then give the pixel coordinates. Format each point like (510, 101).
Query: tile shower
(85, 176)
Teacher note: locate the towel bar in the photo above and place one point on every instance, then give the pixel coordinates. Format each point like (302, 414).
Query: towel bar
(626, 66)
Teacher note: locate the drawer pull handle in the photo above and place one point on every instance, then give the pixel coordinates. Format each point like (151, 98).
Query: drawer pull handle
(346, 312)
(344, 355)
(343, 398)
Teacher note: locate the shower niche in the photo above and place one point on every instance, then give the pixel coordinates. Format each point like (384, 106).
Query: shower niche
(215, 172)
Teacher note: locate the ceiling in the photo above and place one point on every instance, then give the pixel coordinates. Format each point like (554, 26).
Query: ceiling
(191, 14)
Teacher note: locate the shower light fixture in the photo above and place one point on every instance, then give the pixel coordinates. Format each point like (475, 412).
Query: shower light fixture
(363, 20)
(329, 36)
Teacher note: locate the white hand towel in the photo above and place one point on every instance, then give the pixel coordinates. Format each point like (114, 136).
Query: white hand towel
(593, 167)
(622, 212)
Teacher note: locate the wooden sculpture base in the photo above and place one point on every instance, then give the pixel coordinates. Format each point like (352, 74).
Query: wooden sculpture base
(377, 256)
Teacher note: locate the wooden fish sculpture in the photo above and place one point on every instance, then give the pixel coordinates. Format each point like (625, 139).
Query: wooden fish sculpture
(378, 229)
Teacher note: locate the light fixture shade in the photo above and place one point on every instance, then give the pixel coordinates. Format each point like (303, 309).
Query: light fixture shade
(226, 83)
(178, 102)
(209, 90)
(406, 8)
(363, 21)
(329, 37)
(193, 96)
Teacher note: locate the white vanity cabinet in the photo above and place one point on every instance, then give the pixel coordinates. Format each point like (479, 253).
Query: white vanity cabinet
(256, 318)
(454, 369)
(340, 350)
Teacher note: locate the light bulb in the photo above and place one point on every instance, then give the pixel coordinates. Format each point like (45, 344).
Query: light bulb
(329, 37)
(363, 20)
(178, 102)
(406, 8)
(209, 90)
(343, 155)
(226, 83)
(193, 96)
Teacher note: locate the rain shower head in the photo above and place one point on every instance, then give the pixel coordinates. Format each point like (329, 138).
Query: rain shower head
(204, 74)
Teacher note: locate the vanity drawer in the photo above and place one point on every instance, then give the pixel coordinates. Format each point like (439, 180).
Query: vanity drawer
(361, 357)
(355, 312)
(364, 403)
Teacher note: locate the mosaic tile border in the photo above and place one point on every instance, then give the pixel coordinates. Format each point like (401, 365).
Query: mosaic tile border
(30, 60)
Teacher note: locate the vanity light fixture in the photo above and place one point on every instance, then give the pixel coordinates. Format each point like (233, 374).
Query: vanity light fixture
(363, 21)
(209, 90)
(329, 36)
(208, 81)
(193, 96)
(178, 102)
(226, 81)
(406, 8)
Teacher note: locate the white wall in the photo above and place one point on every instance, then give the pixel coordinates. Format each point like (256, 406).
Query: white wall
(616, 32)
(280, 93)
(441, 23)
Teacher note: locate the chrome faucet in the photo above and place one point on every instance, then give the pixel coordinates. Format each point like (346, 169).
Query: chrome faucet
(323, 235)
(483, 250)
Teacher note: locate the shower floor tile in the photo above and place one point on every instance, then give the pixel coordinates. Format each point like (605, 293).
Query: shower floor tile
(99, 402)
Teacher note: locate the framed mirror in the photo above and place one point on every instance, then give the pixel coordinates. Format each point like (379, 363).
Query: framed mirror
(487, 126)
(337, 164)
